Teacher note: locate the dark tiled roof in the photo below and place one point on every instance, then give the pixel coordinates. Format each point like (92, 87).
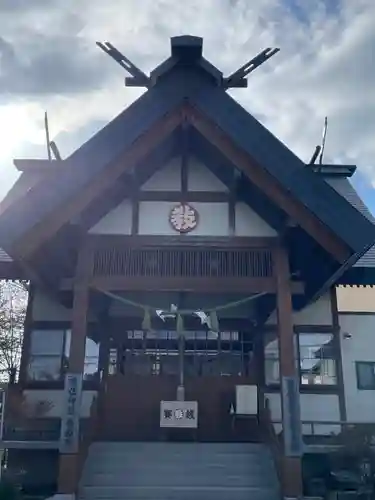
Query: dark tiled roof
(300, 182)
(188, 82)
(345, 188)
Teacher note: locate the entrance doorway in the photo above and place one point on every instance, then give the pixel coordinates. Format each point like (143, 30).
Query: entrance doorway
(145, 368)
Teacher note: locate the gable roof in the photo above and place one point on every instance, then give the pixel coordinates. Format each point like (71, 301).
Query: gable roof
(344, 187)
(188, 82)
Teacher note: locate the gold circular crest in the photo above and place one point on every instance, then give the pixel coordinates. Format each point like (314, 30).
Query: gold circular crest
(183, 218)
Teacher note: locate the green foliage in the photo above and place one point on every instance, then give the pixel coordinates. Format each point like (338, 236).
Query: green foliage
(8, 490)
(357, 452)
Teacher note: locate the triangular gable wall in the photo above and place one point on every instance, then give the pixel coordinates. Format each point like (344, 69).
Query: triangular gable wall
(200, 178)
(153, 216)
(167, 178)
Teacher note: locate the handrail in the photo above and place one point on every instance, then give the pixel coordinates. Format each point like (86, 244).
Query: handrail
(272, 439)
(87, 436)
(342, 424)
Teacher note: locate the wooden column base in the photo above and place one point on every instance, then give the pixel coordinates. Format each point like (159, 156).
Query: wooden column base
(68, 478)
(292, 484)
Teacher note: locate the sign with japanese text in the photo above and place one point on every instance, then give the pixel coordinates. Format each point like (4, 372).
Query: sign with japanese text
(179, 414)
(183, 218)
(291, 412)
(69, 436)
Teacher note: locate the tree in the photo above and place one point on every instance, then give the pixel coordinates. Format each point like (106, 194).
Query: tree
(13, 302)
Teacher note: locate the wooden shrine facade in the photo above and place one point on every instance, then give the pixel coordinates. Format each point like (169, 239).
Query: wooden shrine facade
(314, 236)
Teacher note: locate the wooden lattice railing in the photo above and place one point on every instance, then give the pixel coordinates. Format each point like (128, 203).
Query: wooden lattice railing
(182, 262)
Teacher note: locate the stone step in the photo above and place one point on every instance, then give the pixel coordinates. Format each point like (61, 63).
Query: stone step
(138, 478)
(217, 447)
(179, 471)
(179, 493)
(168, 466)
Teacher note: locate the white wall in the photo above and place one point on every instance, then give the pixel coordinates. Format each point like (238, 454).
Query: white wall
(315, 408)
(46, 308)
(213, 220)
(360, 405)
(248, 223)
(318, 313)
(154, 219)
(168, 178)
(55, 397)
(118, 221)
(200, 178)
(154, 216)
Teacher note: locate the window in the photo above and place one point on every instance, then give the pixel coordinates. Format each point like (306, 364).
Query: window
(317, 359)
(91, 365)
(49, 353)
(46, 354)
(206, 353)
(272, 358)
(365, 375)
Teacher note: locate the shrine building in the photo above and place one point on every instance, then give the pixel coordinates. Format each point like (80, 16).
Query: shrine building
(185, 270)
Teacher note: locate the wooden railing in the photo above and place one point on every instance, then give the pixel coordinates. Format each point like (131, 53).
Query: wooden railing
(271, 438)
(32, 430)
(328, 432)
(88, 435)
(182, 262)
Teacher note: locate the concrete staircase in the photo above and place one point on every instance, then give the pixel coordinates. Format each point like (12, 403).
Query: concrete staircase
(179, 471)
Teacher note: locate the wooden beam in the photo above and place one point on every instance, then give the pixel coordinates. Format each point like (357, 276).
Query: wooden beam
(204, 285)
(188, 196)
(68, 476)
(108, 176)
(266, 183)
(338, 355)
(289, 377)
(139, 241)
(185, 160)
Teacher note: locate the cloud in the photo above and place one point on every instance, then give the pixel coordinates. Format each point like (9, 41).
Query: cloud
(326, 67)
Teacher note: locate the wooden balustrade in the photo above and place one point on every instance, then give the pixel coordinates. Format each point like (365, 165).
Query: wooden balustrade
(183, 262)
(126, 264)
(327, 432)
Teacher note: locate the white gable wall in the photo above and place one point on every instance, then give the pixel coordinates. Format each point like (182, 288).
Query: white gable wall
(200, 178)
(248, 223)
(117, 221)
(167, 178)
(154, 215)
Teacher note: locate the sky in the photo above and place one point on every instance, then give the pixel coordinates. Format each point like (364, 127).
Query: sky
(326, 67)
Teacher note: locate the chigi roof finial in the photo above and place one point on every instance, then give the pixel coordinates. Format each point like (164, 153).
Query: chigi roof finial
(186, 50)
(137, 78)
(238, 78)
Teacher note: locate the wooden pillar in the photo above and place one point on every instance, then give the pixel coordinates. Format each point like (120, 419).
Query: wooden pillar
(338, 354)
(289, 380)
(69, 468)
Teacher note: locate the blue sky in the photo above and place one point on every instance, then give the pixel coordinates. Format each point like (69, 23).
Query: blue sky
(48, 60)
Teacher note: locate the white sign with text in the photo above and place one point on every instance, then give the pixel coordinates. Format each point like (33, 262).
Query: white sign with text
(179, 414)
